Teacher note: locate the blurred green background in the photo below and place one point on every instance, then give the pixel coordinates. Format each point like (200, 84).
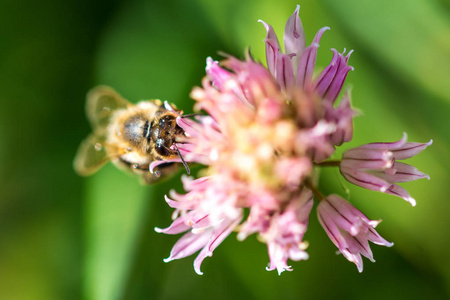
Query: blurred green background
(66, 237)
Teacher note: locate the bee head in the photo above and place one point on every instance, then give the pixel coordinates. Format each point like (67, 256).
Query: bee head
(164, 131)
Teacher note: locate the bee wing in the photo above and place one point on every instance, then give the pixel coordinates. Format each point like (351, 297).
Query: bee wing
(102, 102)
(91, 155)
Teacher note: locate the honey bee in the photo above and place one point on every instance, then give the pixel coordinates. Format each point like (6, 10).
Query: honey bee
(131, 136)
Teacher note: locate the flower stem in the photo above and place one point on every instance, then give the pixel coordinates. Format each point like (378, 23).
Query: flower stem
(329, 163)
(314, 189)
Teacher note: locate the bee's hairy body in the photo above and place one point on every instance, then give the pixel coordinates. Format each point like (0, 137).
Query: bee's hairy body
(131, 136)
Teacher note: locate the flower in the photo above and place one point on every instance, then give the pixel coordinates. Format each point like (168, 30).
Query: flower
(349, 229)
(266, 132)
(284, 237)
(295, 67)
(374, 166)
(262, 135)
(206, 224)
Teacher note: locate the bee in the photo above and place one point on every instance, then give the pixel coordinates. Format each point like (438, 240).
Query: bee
(132, 136)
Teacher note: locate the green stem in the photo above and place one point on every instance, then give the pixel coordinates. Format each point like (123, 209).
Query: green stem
(314, 189)
(329, 163)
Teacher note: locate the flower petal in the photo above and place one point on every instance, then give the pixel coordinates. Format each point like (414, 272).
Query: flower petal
(343, 117)
(398, 191)
(409, 150)
(365, 180)
(218, 75)
(294, 38)
(188, 244)
(349, 229)
(386, 146)
(217, 236)
(402, 173)
(367, 159)
(272, 47)
(327, 75)
(338, 80)
(284, 73)
(307, 61)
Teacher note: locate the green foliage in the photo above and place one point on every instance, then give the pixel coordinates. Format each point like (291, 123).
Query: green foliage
(65, 237)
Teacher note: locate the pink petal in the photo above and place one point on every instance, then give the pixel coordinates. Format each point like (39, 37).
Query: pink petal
(386, 146)
(284, 73)
(398, 191)
(402, 173)
(410, 149)
(369, 154)
(375, 238)
(326, 77)
(338, 81)
(272, 47)
(218, 75)
(365, 180)
(188, 244)
(294, 38)
(330, 227)
(181, 224)
(345, 215)
(217, 236)
(401, 149)
(307, 61)
(343, 116)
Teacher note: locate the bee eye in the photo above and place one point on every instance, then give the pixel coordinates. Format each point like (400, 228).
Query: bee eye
(166, 121)
(160, 148)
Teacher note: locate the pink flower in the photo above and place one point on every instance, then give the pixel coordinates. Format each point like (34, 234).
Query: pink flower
(284, 237)
(206, 221)
(295, 67)
(266, 132)
(374, 166)
(349, 229)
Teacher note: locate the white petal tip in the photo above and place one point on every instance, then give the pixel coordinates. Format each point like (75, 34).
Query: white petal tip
(209, 63)
(158, 230)
(374, 223)
(411, 200)
(241, 236)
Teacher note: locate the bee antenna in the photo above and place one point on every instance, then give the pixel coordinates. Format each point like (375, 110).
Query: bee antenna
(190, 115)
(182, 160)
